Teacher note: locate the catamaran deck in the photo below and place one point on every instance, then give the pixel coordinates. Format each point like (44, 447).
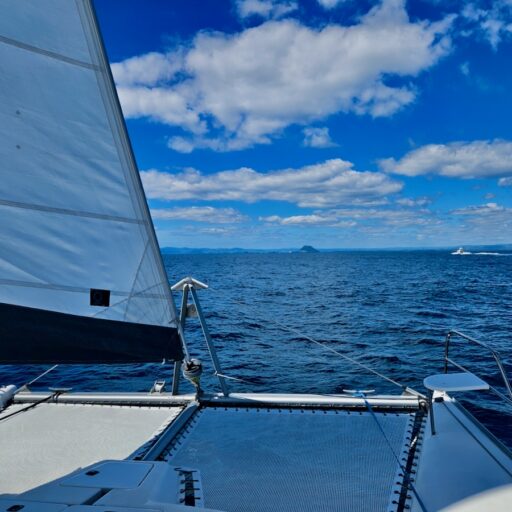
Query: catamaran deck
(324, 453)
(244, 453)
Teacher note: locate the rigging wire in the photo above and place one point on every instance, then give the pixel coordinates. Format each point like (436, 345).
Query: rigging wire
(238, 379)
(319, 343)
(46, 372)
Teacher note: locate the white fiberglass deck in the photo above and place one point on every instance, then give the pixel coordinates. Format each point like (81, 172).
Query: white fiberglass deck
(51, 440)
(297, 460)
(459, 462)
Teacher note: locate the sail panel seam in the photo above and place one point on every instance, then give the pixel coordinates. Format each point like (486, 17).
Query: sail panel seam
(66, 211)
(136, 276)
(79, 289)
(48, 53)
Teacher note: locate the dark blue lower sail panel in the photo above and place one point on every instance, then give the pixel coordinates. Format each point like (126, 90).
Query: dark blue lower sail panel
(33, 336)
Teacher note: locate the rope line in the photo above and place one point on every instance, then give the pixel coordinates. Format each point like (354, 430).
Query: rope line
(31, 406)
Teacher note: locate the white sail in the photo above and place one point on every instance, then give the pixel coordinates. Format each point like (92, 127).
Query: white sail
(73, 213)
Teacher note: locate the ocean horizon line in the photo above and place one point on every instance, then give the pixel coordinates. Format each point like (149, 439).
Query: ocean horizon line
(313, 249)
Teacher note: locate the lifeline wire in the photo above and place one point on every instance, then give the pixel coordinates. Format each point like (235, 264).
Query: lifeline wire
(319, 343)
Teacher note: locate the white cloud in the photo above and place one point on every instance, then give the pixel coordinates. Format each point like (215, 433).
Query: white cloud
(148, 69)
(199, 214)
(483, 210)
(181, 144)
(331, 183)
(464, 68)
(409, 202)
(216, 231)
(300, 220)
(493, 21)
(317, 138)
(265, 8)
(188, 144)
(163, 104)
(477, 159)
(231, 91)
(505, 182)
(490, 221)
(329, 4)
(348, 218)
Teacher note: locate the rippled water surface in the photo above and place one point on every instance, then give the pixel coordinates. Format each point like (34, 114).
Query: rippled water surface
(390, 310)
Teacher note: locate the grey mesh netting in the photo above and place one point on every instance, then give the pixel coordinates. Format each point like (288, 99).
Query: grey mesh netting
(297, 460)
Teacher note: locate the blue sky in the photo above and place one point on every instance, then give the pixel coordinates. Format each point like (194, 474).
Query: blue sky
(279, 123)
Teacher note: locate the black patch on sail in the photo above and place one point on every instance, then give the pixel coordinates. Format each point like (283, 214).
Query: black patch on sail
(100, 297)
(37, 336)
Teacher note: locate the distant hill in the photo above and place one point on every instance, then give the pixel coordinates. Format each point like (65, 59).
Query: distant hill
(206, 250)
(308, 248)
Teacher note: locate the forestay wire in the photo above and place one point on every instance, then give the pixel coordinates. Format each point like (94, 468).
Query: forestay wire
(312, 340)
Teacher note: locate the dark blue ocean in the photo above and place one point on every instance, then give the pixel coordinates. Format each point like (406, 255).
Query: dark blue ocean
(390, 310)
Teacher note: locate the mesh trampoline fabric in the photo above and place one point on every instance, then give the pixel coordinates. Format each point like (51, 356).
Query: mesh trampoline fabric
(292, 459)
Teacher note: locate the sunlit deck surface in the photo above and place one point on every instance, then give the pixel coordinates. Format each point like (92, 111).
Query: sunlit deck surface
(50, 440)
(460, 461)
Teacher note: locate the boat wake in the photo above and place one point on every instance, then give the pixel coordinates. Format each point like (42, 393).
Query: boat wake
(462, 252)
(492, 254)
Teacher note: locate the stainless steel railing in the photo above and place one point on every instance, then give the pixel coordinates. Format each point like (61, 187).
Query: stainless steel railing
(496, 356)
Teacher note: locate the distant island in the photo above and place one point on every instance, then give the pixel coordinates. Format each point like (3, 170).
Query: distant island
(308, 248)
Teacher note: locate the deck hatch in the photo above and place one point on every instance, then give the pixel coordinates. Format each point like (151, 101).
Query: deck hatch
(273, 459)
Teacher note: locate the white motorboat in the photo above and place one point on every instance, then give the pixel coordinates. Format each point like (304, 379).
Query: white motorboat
(82, 281)
(460, 252)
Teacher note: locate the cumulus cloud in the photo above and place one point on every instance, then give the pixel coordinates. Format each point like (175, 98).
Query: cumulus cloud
(199, 214)
(489, 220)
(329, 4)
(350, 217)
(331, 183)
(149, 69)
(483, 210)
(265, 8)
(477, 159)
(163, 104)
(231, 91)
(410, 202)
(216, 231)
(505, 182)
(300, 220)
(188, 144)
(317, 138)
(493, 22)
